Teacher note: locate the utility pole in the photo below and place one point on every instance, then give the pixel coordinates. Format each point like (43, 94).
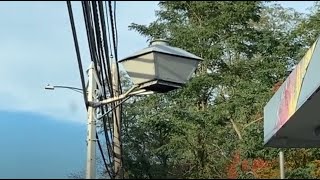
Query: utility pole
(91, 132)
(281, 161)
(117, 151)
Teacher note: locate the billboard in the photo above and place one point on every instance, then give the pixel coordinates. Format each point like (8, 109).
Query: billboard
(291, 116)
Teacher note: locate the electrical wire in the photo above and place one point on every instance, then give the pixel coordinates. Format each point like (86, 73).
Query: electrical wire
(108, 29)
(101, 64)
(93, 37)
(105, 43)
(115, 48)
(99, 44)
(75, 39)
(96, 24)
(106, 50)
(98, 37)
(103, 158)
(113, 108)
(96, 28)
(82, 74)
(115, 22)
(114, 33)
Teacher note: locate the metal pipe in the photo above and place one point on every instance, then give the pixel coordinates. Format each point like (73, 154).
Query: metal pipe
(281, 161)
(49, 87)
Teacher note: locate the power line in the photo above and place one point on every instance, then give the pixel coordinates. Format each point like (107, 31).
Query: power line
(103, 158)
(100, 45)
(105, 42)
(81, 73)
(106, 50)
(102, 65)
(108, 28)
(115, 22)
(113, 32)
(91, 30)
(75, 39)
(92, 39)
(115, 48)
(97, 35)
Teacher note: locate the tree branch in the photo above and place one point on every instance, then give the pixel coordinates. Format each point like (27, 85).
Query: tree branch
(250, 123)
(235, 127)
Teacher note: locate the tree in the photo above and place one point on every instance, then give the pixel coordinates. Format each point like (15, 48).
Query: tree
(244, 58)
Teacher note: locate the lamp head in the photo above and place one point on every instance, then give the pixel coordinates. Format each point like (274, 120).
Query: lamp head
(48, 87)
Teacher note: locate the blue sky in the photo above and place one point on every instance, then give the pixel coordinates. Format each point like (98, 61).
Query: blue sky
(42, 133)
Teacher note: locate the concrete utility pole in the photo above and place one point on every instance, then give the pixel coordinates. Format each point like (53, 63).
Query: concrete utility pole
(281, 161)
(117, 151)
(91, 132)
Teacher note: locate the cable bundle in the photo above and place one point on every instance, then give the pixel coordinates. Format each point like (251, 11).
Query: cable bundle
(100, 27)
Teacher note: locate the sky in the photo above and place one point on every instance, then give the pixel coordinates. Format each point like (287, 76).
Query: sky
(42, 133)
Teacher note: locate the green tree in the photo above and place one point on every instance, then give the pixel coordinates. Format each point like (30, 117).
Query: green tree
(244, 58)
(196, 131)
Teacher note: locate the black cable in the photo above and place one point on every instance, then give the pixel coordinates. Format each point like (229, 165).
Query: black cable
(105, 41)
(114, 44)
(104, 159)
(75, 39)
(115, 22)
(109, 144)
(108, 29)
(110, 110)
(117, 64)
(107, 54)
(91, 34)
(110, 50)
(120, 86)
(99, 43)
(113, 30)
(81, 69)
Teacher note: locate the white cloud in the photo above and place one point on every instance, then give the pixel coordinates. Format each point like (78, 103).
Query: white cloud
(36, 48)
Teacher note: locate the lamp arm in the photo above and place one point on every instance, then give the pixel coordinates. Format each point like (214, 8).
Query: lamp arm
(68, 87)
(112, 99)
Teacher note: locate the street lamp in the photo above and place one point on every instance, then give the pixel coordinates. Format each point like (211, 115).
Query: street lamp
(159, 68)
(140, 92)
(50, 87)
